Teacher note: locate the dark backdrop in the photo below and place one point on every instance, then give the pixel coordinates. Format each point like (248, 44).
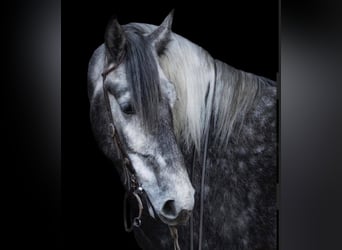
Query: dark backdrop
(311, 121)
(243, 34)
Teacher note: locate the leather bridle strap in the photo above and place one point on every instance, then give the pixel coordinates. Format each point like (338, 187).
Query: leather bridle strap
(117, 142)
(133, 187)
(204, 165)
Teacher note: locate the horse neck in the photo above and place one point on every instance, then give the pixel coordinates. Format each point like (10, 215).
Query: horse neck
(237, 92)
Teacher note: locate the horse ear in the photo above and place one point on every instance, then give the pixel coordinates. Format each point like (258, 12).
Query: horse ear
(115, 40)
(161, 36)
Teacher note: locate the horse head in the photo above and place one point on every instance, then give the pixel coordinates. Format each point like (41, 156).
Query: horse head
(140, 99)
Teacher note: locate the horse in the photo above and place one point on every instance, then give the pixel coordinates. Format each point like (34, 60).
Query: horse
(193, 139)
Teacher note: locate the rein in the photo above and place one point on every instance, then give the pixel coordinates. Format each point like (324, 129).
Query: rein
(204, 165)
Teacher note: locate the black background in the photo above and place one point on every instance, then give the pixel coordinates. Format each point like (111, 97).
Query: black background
(244, 35)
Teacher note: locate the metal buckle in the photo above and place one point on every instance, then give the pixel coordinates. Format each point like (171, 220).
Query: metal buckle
(112, 130)
(136, 221)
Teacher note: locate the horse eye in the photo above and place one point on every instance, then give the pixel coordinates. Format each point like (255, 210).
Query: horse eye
(127, 108)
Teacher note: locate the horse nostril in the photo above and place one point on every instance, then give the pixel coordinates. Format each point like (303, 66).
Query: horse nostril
(169, 208)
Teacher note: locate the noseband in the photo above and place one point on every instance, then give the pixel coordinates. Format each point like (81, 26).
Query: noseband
(133, 188)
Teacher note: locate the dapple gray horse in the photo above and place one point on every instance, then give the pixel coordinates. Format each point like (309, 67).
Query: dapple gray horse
(194, 140)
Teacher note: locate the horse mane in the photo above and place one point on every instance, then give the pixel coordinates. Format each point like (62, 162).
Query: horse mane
(142, 76)
(238, 93)
(210, 94)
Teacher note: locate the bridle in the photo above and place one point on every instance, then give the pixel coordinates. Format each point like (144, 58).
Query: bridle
(133, 187)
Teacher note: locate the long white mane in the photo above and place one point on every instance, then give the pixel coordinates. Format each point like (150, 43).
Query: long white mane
(207, 90)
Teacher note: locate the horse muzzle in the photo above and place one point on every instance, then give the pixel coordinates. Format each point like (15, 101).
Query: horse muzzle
(172, 215)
